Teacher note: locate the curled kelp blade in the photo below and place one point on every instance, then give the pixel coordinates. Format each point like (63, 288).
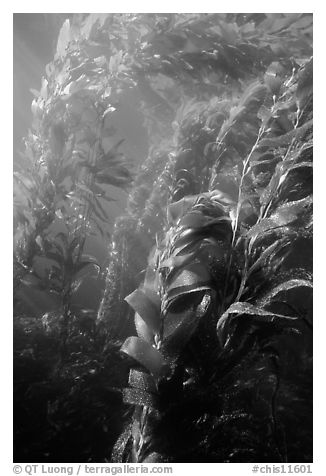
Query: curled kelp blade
(193, 219)
(180, 327)
(277, 247)
(191, 274)
(283, 216)
(187, 239)
(151, 281)
(147, 306)
(175, 262)
(246, 309)
(180, 296)
(144, 331)
(146, 355)
(286, 285)
(175, 320)
(192, 278)
(179, 209)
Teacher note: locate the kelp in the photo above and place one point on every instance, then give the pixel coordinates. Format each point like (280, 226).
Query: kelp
(200, 286)
(237, 226)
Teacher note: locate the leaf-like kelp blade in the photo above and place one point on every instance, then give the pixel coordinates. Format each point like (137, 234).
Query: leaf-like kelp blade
(151, 280)
(245, 308)
(137, 396)
(145, 355)
(177, 261)
(284, 215)
(145, 307)
(142, 380)
(289, 212)
(63, 39)
(286, 286)
(179, 327)
(121, 446)
(193, 278)
(193, 274)
(182, 292)
(188, 239)
(280, 176)
(250, 101)
(86, 260)
(193, 220)
(305, 84)
(144, 331)
(285, 139)
(270, 252)
(252, 98)
(179, 208)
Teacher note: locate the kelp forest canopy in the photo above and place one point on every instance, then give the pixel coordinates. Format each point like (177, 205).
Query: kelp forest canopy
(191, 339)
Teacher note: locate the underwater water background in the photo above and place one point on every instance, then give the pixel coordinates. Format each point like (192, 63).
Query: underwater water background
(167, 158)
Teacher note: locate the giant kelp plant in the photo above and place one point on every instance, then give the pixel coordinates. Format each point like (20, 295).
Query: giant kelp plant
(199, 348)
